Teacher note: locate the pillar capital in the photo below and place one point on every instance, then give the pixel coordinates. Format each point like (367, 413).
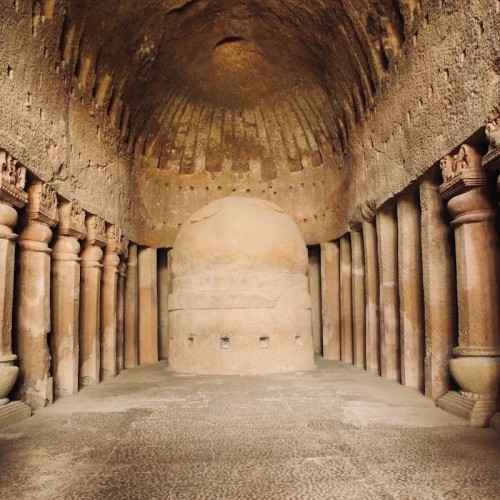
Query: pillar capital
(71, 228)
(96, 231)
(491, 160)
(72, 220)
(42, 205)
(41, 216)
(124, 247)
(461, 172)
(122, 268)
(12, 194)
(114, 239)
(12, 181)
(364, 212)
(464, 187)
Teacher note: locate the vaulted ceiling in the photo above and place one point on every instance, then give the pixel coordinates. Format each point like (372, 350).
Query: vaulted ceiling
(234, 85)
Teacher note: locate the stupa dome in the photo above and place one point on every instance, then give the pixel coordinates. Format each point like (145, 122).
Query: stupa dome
(236, 234)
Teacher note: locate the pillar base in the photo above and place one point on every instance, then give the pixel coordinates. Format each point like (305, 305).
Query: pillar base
(14, 412)
(477, 410)
(495, 422)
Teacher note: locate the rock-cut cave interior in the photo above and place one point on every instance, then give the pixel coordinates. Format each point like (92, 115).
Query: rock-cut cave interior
(249, 249)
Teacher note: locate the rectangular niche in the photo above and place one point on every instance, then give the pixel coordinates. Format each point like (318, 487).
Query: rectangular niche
(264, 342)
(299, 340)
(225, 342)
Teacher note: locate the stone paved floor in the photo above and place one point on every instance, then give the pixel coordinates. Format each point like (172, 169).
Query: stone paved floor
(335, 433)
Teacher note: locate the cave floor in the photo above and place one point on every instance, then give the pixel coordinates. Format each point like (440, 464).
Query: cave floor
(335, 432)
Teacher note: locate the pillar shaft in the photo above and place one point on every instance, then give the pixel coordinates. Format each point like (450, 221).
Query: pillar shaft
(65, 297)
(372, 320)
(314, 273)
(411, 308)
(387, 238)
(164, 289)
(131, 317)
(330, 299)
(90, 301)
(346, 299)
(8, 218)
(439, 285)
(33, 297)
(120, 316)
(109, 296)
(358, 298)
(148, 310)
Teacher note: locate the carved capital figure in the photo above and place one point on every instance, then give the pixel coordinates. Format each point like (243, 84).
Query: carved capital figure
(491, 161)
(42, 204)
(114, 239)
(124, 247)
(72, 220)
(492, 129)
(462, 172)
(96, 231)
(12, 181)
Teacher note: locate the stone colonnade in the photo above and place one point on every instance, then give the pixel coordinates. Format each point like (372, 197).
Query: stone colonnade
(412, 291)
(71, 296)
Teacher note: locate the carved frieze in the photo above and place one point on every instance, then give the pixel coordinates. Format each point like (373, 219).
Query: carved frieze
(492, 130)
(96, 230)
(42, 204)
(461, 172)
(12, 181)
(72, 220)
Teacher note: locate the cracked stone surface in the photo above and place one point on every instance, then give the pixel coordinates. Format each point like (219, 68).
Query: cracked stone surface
(335, 432)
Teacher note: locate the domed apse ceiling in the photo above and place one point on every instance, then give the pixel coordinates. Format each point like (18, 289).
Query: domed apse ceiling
(244, 86)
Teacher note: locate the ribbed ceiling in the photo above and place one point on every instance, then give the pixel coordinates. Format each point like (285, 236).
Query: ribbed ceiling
(233, 85)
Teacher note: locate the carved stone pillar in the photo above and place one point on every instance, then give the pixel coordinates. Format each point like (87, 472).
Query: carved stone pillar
(314, 275)
(65, 298)
(131, 319)
(372, 321)
(358, 296)
(90, 300)
(330, 301)
(33, 296)
(491, 161)
(164, 290)
(476, 367)
(411, 307)
(440, 288)
(148, 310)
(120, 306)
(109, 295)
(387, 239)
(12, 196)
(346, 353)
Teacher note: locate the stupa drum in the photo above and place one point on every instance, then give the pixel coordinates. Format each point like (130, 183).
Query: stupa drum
(240, 301)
